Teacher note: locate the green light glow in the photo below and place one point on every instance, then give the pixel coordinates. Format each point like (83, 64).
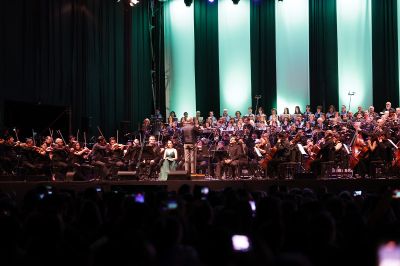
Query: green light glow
(179, 58)
(354, 52)
(292, 54)
(234, 55)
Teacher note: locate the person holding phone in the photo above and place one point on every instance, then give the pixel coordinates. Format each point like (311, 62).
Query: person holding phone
(169, 163)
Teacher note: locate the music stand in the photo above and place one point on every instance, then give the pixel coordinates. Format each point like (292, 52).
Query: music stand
(148, 153)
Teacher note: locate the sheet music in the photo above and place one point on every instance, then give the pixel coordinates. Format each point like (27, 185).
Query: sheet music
(258, 152)
(391, 142)
(347, 149)
(301, 149)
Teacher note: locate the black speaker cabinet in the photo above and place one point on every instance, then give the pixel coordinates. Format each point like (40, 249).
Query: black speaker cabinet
(178, 175)
(127, 175)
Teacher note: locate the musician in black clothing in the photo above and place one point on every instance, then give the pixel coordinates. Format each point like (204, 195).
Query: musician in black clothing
(150, 158)
(232, 161)
(100, 153)
(59, 159)
(29, 156)
(190, 133)
(325, 154)
(282, 154)
(9, 157)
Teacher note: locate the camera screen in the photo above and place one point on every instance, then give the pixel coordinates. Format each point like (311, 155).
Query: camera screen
(396, 194)
(172, 205)
(205, 190)
(139, 198)
(357, 193)
(240, 243)
(389, 254)
(252, 205)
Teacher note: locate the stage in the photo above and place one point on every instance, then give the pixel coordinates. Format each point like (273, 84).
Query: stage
(333, 185)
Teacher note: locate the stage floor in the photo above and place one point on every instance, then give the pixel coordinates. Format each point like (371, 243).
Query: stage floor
(334, 185)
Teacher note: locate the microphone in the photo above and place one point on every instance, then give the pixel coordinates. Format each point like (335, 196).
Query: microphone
(257, 97)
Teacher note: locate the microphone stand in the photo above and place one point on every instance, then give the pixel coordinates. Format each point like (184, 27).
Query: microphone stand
(257, 97)
(350, 94)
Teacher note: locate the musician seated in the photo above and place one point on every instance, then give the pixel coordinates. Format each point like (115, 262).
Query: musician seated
(325, 154)
(116, 156)
(131, 155)
(202, 154)
(231, 161)
(243, 156)
(149, 161)
(80, 160)
(282, 154)
(100, 153)
(9, 157)
(59, 159)
(29, 157)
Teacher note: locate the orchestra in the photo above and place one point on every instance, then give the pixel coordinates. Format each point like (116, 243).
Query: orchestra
(220, 147)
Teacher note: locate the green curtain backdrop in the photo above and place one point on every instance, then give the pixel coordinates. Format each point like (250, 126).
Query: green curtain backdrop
(354, 52)
(234, 55)
(71, 53)
(292, 54)
(179, 58)
(323, 53)
(385, 53)
(263, 52)
(206, 56)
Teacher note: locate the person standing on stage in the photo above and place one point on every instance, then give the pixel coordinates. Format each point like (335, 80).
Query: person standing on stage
(169, 163)
(189, 136)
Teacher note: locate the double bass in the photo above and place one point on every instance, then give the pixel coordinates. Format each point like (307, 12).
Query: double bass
(267, 158)
(358, 150)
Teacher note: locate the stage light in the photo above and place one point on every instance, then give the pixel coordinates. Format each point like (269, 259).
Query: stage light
(211, 1)
(235, 2)
(133, 2)
(188, 2)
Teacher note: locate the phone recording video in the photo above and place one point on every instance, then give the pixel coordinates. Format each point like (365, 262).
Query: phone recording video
(252, 205)
(205, 190)
(241, 243)
(172, 205)
(357, 193)
(98, 189)
(396, 194)
(389, 254)
(139, 198)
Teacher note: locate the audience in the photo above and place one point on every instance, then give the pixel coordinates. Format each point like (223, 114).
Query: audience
(286, 227)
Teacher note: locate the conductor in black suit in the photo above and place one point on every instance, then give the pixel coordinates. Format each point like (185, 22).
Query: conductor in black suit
(190, 133)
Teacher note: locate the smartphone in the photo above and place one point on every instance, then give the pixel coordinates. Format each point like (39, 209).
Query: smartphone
(139, 198)
(357, 193)
(205, 190)
(98, 189)
(41, 196)
(396, 194)
(241, 243)
(172, 205)
(389, 254)
(252, 205)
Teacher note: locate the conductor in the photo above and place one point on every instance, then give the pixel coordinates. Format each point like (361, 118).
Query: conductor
(190, 133)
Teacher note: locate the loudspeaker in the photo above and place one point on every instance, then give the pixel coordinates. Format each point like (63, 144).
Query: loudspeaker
(178, 175)
(197, 177)
(305, 176)
(127, 175)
